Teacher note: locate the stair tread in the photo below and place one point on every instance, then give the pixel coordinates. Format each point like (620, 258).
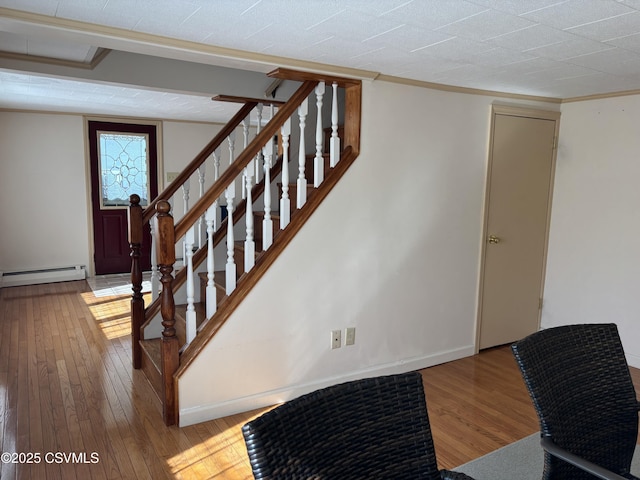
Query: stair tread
(181, 310)
(219, 282)
(152, 348)
(262, 214)
(294, 184)
(239, 245)
(218, 276)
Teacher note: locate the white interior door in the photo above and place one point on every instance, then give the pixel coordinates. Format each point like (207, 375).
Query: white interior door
(521, 166)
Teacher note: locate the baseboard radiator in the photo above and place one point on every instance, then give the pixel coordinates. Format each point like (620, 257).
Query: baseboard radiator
(45, 275)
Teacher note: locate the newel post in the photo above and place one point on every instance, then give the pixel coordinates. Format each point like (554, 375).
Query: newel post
(166, 254)
(137, 300)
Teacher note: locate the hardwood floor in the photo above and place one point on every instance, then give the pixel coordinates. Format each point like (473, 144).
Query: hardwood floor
(67, 387)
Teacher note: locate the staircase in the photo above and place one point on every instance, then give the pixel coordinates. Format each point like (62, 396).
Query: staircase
(253, 208)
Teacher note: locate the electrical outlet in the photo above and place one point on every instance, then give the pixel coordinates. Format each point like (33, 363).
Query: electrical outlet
(350, 336)
(336, 339)
(171, 176)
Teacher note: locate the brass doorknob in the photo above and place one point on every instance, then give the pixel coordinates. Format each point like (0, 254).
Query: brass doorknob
(493, 239)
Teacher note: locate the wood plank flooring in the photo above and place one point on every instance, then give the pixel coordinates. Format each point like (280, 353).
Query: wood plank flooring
(67, 387)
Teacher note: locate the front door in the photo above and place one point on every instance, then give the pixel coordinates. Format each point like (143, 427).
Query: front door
(518, 205)
(123, 160)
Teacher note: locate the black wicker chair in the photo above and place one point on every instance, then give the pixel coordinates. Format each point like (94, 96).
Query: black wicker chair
(376, 428)
(581, 388)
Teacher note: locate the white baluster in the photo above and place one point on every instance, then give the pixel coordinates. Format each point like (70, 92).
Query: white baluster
(303, 110)
(185, 200)
(231, 189)
(318, 161)
(155, 276)
(249, 243)
(334, 143)
(245, 138)
(267, 222)
(211, 300)
(201, 221)
(285, 202)
(258, 162)
(186, 186)
(216, 164)
(231, 266)
(191, 311)
(216, 175)
(230, 195)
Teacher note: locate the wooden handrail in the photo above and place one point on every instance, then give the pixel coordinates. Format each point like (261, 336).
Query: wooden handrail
(234, 99)
(235, 169)
(190, 169)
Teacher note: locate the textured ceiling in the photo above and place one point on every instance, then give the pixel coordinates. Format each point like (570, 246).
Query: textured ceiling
(548, 48)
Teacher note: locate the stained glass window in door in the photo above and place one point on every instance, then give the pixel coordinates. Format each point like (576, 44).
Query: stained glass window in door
(124, 168)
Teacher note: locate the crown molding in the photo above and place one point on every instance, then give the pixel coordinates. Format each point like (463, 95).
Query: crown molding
(101, 53)
(118, 38)
(600, 96)
(470, 91)
(144, 43)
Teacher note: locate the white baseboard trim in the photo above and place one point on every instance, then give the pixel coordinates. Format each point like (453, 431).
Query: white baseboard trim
(203, 413)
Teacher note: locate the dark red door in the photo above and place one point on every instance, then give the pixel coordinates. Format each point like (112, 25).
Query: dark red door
(123, 161)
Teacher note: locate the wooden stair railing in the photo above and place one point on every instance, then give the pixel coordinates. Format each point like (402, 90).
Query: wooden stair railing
(190, 169)
(200, 256)
(174, 354)
(139, 218)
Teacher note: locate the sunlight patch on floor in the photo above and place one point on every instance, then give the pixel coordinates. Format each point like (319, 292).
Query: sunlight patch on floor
(212, 458)
(109, 291)
(110, 302)
(112, 314)
(116, 328)
(221, 452)
(117, 284)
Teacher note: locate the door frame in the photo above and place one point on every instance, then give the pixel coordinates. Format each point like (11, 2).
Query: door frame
(91, 270)
(515, 111)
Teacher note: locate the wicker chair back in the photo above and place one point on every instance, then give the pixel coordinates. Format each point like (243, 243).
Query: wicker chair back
(579, 381)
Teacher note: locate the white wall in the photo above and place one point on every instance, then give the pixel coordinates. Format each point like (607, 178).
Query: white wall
(42, 192)
(182, 142)
(594, 244)
(393, 251)
(44, 221)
